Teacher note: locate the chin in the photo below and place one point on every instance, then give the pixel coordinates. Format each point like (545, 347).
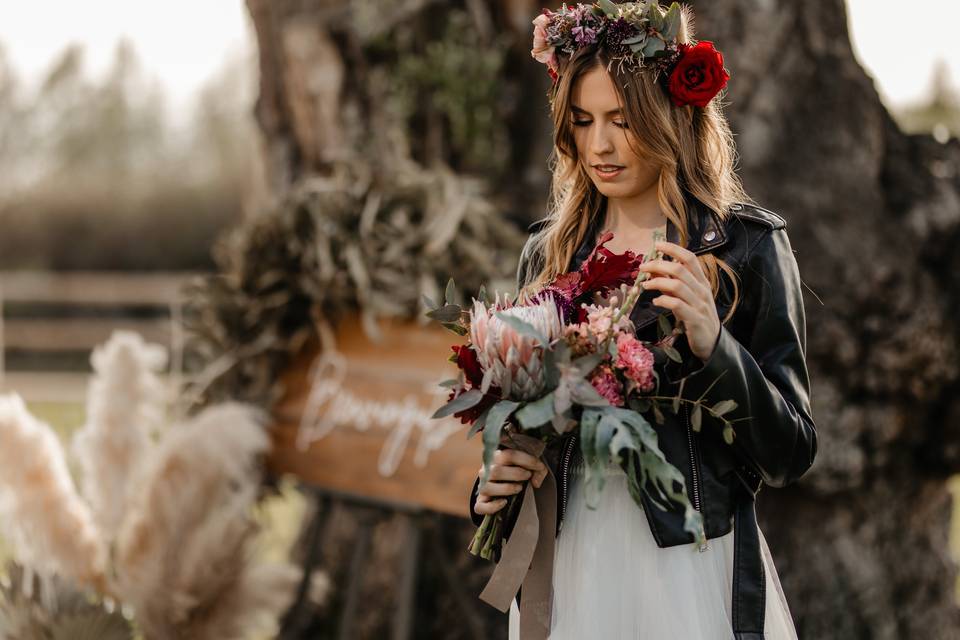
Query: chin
(613, 190)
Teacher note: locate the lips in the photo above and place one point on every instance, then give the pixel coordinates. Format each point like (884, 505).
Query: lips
(607, 171)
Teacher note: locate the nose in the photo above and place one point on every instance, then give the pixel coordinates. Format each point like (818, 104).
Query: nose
(600, 141)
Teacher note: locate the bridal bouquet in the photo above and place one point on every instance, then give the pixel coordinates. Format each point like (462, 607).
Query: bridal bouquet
(568, 358)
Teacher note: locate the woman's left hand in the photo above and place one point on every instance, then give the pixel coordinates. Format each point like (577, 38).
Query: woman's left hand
(686, 292)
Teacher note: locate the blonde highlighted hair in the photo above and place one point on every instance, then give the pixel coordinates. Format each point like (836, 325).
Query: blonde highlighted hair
(693, 147)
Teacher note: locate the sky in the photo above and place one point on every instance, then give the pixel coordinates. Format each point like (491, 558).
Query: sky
(184, 41)
(902, 74)
(181, 42)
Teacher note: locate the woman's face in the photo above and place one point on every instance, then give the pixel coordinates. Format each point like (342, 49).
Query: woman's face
(601, 136)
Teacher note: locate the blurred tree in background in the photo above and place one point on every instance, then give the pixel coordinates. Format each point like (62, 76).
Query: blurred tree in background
(91, 168)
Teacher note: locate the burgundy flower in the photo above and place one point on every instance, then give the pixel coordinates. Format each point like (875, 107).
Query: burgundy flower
(466, 359)
(698, 75)
(607, 385)
(467, 362)
(604, 270)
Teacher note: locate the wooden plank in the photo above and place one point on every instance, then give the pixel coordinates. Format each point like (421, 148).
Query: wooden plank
(94, 287)
(78, 333)
(380, 404)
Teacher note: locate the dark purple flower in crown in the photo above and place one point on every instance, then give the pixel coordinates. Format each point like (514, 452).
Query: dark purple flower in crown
(617, 31)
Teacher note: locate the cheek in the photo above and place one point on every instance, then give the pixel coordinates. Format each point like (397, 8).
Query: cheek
(580, 139)
(626, 149)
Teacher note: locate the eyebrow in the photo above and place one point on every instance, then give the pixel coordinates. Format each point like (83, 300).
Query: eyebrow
(612, 111)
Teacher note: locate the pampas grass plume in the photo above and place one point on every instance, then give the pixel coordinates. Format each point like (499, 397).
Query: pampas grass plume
(50, 527)
(125, 404)
(183, 556)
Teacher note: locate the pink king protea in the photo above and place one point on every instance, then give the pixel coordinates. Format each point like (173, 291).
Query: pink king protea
(509, 359)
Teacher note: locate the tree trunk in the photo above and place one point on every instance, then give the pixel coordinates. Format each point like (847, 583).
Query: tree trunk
(861, 542)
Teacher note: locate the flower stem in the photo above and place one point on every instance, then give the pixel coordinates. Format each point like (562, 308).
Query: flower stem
(631, 300)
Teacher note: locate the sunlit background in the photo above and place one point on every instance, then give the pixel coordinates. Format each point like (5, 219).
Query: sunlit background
(127, 144)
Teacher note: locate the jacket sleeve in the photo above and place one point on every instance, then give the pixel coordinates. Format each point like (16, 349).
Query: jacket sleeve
(767, 374)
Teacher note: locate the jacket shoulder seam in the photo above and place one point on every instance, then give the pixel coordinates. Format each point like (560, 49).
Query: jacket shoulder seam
(760, 215)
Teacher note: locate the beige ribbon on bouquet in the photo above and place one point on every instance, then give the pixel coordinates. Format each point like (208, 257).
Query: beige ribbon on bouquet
(527, 555)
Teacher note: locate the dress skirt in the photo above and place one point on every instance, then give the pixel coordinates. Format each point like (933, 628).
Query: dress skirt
(612, 581)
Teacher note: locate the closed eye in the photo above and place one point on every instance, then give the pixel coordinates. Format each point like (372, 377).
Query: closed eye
(584, 123)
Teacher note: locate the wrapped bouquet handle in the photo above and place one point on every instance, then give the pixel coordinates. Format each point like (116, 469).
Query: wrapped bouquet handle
(527, 556)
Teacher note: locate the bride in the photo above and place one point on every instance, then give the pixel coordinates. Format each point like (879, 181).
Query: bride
(636, 152)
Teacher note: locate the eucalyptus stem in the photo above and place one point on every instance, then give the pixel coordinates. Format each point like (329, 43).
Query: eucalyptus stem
(630, 301)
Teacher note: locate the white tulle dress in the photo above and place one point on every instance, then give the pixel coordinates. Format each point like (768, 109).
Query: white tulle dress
(612, 581)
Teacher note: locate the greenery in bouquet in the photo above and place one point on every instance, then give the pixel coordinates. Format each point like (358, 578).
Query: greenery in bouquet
(567, 358)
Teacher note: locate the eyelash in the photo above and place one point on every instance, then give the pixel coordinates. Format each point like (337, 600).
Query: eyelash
(583, 123)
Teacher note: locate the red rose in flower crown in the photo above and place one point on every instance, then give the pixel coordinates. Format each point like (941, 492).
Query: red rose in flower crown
(698, 75)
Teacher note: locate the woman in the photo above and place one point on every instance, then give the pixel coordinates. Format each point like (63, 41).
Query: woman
(638, 149)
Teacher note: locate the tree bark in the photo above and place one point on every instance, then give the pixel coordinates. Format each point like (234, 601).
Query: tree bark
(861, 542)
(874, 216)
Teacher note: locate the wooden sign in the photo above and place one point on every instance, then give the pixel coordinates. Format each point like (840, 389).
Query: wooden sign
(357, 420)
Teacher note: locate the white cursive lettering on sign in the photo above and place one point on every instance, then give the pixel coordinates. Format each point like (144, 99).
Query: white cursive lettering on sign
(329, 406)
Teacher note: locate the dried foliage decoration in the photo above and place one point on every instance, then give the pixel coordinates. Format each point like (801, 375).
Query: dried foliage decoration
(354, 241)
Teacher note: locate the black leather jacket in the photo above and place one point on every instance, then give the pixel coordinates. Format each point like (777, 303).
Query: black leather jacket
(759, 358)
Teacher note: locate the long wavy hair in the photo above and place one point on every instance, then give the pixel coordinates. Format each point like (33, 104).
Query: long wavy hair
(693, 147)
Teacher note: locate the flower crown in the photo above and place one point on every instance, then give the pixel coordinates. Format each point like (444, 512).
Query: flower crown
(635, 35)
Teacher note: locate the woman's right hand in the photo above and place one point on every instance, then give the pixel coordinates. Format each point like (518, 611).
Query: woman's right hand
(508, 471)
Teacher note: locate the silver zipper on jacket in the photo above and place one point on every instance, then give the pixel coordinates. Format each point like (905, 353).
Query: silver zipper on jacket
(694, 466)
(564, 475)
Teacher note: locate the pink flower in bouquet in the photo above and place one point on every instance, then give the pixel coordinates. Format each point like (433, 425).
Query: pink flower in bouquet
(636, 361)
(600, 320)
(607, 385)
(509, 359)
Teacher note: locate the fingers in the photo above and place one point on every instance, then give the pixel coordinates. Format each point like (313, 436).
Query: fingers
(673, 286)
(671, 269)
(509, 471)
(538, 477)
(680, 309)
(685, 266)
(518, 458)
(486, 505)
(504, 472)
(497, 489)
(683, 256)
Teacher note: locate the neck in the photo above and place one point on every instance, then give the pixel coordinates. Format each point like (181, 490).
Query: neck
(641, 211)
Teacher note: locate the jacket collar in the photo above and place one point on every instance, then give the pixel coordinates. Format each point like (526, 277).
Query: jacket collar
(706, 230)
